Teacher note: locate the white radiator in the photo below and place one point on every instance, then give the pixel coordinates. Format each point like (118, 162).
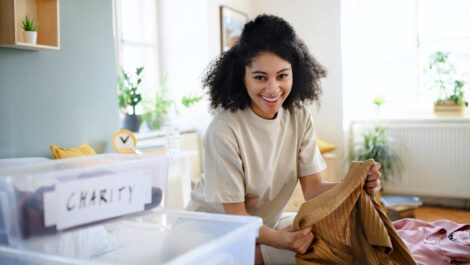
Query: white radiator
(435, 155)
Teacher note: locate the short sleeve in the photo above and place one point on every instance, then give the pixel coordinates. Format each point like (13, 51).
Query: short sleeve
(310, 159)
(224, 175)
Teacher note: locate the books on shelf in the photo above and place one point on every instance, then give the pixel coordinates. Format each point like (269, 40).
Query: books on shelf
(400, 201)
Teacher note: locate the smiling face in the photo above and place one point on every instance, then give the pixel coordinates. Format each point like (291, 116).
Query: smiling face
(268, 81)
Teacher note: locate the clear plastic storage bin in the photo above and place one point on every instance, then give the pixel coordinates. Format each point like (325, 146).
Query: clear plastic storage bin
(154, 237)
(47, 197)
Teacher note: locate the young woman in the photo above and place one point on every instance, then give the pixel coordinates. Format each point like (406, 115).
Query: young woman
(262, 139)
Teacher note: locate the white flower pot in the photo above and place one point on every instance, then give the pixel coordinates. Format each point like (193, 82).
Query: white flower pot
(30, 37)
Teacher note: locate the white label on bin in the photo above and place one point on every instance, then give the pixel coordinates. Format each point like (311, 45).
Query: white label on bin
(50, 212)
(88, 200)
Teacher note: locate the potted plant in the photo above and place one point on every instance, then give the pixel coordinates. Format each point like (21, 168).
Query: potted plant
(29, 26)
(378, 102)
(129, 97)
(376, 144)
(157, 109)
(451, 96)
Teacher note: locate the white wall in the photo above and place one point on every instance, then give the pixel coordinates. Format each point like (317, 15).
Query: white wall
(189, 41)
(317, 22)
(183, 43)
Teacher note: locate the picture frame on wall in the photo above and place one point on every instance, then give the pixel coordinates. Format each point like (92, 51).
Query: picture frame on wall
(231, 26)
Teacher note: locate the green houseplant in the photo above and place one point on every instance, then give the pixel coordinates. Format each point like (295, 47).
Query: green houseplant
(29, 26)
(376, 144)
(451, 95)
(378, 102)
(157, 109)
(129, 97)
(188, 101)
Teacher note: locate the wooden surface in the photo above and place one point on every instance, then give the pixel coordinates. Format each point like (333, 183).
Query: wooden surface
(429, 214)
(7, 19)
(48, 29)
(46, 12)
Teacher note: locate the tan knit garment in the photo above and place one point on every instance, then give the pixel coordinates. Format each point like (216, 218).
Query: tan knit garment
(349, 226)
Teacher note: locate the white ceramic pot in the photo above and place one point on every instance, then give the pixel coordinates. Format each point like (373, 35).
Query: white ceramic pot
(30, 37)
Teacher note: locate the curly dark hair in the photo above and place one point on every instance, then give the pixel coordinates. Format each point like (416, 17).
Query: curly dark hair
(266, 33)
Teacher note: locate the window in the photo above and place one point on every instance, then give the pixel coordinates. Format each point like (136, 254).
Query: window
(386, 46)
(137, 40)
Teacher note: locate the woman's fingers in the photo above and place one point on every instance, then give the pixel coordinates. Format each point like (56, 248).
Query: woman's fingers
(375, 167)
(307, 243)
(372, 184)
(303, 239)
(373, 176)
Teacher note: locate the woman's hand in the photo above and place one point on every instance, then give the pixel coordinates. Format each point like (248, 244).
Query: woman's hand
(372, 184)
(297, 241)
(286, 238)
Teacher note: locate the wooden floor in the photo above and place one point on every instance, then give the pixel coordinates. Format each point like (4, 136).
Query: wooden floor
(425, 213)
(429, 214)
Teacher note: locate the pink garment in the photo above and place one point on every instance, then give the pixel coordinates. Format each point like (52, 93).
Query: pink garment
(440, 242)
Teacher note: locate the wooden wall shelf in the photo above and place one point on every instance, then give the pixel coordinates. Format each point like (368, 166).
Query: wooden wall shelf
(46, 12)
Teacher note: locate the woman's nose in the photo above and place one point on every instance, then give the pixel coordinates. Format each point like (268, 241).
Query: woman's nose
(272, 85)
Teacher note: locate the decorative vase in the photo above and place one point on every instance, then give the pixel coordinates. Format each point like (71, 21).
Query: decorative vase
(132, 122)
(30, 37)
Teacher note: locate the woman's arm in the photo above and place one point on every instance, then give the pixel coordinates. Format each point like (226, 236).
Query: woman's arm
(313, 185)
(286, 238)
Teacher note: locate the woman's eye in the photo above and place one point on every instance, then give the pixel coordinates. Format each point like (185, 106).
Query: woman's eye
(260, 77)
(283, 76)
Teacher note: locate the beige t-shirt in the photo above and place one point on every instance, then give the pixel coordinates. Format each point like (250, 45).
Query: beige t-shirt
(257, 161)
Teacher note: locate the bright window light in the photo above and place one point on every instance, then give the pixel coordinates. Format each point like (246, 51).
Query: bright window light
(137, 40)
(386, 47)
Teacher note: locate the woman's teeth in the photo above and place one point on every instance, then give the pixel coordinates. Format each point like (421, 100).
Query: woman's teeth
(271, 99)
